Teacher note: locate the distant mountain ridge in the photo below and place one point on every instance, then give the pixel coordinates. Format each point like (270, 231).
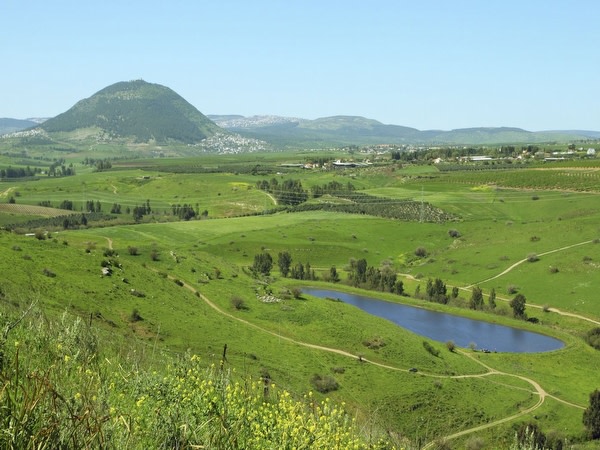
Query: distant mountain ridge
(137, 110)
(142, 112)
(347, 130)
(8, 125)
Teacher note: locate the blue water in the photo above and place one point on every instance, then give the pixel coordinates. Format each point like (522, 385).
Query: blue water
(444, 327)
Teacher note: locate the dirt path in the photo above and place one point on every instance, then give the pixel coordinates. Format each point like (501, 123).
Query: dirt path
(518, 263)
(490, 371)
(7, 192)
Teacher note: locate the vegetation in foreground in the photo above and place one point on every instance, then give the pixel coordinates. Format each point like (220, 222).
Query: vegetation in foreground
(64, 385)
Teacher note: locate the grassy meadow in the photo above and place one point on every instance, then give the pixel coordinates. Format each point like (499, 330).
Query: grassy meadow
(174, 284)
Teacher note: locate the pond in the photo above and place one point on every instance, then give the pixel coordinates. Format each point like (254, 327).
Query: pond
(444, 327)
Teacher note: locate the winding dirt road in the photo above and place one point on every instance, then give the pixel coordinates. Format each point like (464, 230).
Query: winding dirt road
(489, 371)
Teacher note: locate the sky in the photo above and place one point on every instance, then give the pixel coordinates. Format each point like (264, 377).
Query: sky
(427, 64)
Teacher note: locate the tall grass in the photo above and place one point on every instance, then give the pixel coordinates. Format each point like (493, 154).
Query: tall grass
(64, 385)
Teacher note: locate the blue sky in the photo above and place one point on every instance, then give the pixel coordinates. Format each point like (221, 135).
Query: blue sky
(426, 64)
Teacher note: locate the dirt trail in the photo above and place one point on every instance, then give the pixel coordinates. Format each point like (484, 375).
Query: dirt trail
(518, 263)
(490, 371)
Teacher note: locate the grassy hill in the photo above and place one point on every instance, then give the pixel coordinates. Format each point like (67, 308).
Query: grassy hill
(141, 111)
(177, 288)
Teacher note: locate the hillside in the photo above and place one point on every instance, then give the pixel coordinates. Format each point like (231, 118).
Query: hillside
(138, 110)
(347, 130)
(8, 125)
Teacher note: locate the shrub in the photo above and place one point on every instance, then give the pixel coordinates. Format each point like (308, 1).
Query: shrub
(238, 303)
(431, 349)
(421, 252)
(592, 337)
(553, 269)
(451, 346)
(374, 343)
(512, 289)
(532, 257)
(133, 251)
(135, 316)
(48, 273)
(453, 233)
(324, 383)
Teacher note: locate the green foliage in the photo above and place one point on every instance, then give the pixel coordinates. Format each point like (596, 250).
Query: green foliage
(61, 387)
(436, 291)
(284, 261)
(263, 262)
(476, 301)
(431, 349)
(492, 299)
(592, 337)
(591, 416)
(289, 192)
(324, 383)
(518, 306)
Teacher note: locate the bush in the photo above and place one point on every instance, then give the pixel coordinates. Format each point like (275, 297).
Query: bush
(592, 337)
(421, 252)
(532, 257)
(135, 316)
(48, 273)
(451, 346)
(431, 349)
(133, 251)
(374, 343)
(238, 303)
(454, 233)
(324, 383)
(512, 289)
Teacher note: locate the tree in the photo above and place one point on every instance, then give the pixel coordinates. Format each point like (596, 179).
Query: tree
(591, 416)
(333, 275)
(492, 299)
(518, 306)
(284, 261)
(476, 301)
(263, 262)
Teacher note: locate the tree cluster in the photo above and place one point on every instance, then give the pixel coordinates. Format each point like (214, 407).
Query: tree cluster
(383, 278)
(184, 212)
(334, 188)
(18, 172)
(289, 192)
(436, 291)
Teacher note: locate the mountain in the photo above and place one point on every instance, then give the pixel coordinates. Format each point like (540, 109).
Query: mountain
(348, 130)
(137, 110)
(11, 125)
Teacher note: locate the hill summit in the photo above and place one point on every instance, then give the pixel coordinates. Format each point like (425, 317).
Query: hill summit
(136, 110)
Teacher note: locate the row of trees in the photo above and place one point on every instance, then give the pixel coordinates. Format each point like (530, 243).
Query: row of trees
(289, 192)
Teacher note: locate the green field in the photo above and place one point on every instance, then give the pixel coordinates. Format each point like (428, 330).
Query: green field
(526, 231)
